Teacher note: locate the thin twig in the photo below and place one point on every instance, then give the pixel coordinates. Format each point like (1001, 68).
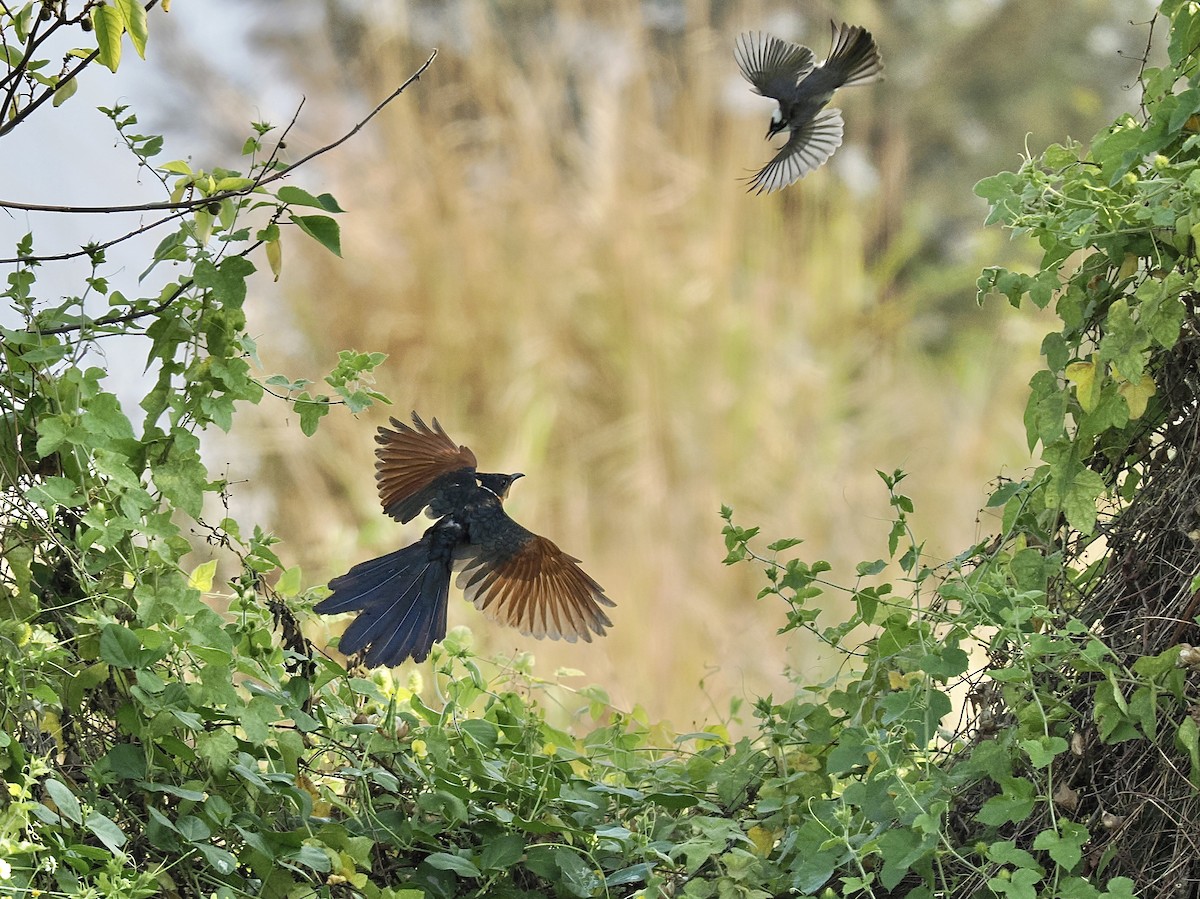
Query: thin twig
(186, 205)
(183, 285)
(182, 207)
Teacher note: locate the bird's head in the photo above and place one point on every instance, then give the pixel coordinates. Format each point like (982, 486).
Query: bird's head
(777, 123)
(497, 483)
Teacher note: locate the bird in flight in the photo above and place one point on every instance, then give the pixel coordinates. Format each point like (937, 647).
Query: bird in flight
(510, 573)
(787, 73)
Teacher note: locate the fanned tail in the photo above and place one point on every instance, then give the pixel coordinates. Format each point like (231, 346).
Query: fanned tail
(401, 600)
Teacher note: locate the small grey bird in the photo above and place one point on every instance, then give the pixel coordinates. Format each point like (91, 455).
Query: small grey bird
(786, 73)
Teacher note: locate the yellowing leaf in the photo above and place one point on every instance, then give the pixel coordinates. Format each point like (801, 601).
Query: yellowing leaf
(1137, 394)
(202, 575)
(275, 257)
(204, 225)
(762, 839)
(133, 13)
(1087, 389)
(239, 183)
(65, 91)
(896, 680)
(109, 25)
(802, 761)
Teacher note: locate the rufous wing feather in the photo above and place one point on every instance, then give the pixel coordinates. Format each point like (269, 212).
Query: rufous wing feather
(418, 466)
(539, 589)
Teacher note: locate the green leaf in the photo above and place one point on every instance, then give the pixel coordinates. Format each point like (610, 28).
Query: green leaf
(1007, 853)
(109, 25)
(68, 805)
(1042, 751)
(296, 196)
(134, 15)
(217, 748)
(311, 411)
(481, 731)
(126, 760)
(1021, 885)
(1046, 411)
(444, 861)
(1002, 195)
(1120, 888)
(577, 875)
(1119, 148)
(502, 853)
(221, 860)
(1072, 486)
(1058, 156)
(322, 229)
(120, 646)
(182, 477)
(1124, 341)
(899, 847)
(1187, 740)
(1112, 713)
(106, 831)
(232, 183)
(1187, 104)
(633, 874)
(52, 433)
(313, 857)
(1014, 803)
(1064, 846)
(1162, 314)
(289, 582)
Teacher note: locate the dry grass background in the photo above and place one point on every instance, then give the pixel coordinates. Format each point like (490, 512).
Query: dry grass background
(548, 237)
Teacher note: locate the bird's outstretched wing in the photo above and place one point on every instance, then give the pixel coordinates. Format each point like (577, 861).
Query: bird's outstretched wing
(525, 581)
(853, 56)
(421, 466)
(771, 65)
(807, 148)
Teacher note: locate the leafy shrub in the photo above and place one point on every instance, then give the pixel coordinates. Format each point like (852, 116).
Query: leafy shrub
(151, 744)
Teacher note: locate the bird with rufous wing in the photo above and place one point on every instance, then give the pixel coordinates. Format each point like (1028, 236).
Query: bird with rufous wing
(511, 574)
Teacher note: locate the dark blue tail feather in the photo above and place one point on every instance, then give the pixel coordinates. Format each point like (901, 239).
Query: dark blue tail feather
(401, 599)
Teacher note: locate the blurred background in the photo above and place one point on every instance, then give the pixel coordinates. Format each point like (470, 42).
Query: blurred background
(549, 236)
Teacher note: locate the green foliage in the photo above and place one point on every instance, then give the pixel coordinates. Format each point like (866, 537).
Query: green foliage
(1127, 203)
(166, 732)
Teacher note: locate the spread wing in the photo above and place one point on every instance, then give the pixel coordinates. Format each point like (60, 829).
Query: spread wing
(523, 580)
(853, 56)
(772, 65)
(807, 148)
(421, 466)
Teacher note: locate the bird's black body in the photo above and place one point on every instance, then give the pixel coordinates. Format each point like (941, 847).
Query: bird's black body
(787, 73)
(507, 571)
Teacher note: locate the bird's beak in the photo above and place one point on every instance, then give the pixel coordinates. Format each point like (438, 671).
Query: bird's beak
(510, 483)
